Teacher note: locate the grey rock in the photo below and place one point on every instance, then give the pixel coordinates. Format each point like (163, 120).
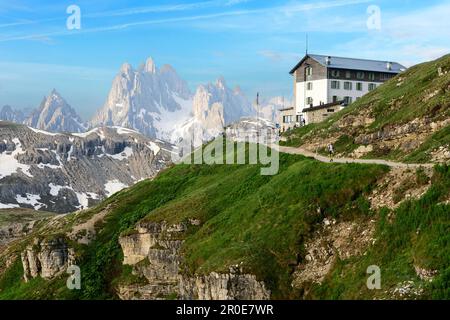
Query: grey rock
(67, 172)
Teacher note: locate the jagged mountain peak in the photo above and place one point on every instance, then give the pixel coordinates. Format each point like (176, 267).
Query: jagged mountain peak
(221, 83)
(237, 90)
(7, 113)
(7, 108)
(150, 65)
(55, 115)
(146, 100)
(126, 68)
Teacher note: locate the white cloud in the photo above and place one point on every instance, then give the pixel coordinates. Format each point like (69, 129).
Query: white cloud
(407, 37)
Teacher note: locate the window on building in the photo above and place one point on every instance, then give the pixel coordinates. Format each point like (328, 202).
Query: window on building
(309, 86)
(348, 74)
(347, 85)
(359, 86)
(386, 76)
(287, 119)
(372, 86)
(335, 73)
(348, 100)
(335, 99)
(334, 84)
(330, 110)
(309, 101)
(309, 71)
(360, 75)
(372, 76)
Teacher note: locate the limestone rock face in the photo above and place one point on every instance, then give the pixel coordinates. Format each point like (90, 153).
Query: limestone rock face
(55, 115)
(154, 252)
(148, 99)
(214, 106)
(47, 258)
(62, 172)
(216, 286)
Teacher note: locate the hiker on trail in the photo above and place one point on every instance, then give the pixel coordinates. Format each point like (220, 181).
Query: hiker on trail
(331, 151)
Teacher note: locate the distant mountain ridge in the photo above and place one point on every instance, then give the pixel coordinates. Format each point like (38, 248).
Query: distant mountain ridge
(154, 101)
(145, 99)
(54, 114)
(7, 113)
(62, 172)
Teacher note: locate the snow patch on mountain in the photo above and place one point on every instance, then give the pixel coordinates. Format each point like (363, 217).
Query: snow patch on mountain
(114, 186)
(9, 162)
(31, 199)
(127, 152)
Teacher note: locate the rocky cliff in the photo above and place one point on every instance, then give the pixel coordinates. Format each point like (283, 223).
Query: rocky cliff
(47, 258)
(67, 172)
(154, 252)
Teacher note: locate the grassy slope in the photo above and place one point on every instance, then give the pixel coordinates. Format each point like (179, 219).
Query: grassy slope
(21, 215)
(261, 221)
(417, 82)
(418, 234)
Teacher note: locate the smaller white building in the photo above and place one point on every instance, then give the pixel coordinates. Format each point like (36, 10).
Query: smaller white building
(326, 80)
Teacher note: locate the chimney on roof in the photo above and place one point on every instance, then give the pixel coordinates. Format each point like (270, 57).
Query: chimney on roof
(389, 65)
(328, 60)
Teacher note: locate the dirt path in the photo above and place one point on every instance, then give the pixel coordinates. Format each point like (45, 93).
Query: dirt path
(321, 158)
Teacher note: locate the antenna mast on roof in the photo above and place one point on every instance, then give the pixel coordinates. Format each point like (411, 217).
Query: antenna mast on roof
(306, 43)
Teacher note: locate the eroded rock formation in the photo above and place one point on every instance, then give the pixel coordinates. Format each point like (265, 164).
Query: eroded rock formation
(154, 252)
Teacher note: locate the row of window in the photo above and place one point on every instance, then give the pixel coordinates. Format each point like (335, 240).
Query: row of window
(290, 119)
(349, 85)
(347, 100)
(348, 74)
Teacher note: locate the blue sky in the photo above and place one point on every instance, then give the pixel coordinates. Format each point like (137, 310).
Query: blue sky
(252, 43)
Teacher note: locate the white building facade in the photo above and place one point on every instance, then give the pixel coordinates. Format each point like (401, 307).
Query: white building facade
(324, 80)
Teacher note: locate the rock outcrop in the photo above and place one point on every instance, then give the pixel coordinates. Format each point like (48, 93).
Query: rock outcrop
(47, 258)
(335, 240)
(154, 252)
(228, 286)
(14, 231)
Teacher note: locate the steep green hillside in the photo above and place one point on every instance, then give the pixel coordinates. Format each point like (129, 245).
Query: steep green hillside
(261, 223)
(21, 215)
(407, 118)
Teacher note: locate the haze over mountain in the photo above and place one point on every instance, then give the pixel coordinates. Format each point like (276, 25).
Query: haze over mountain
(156, 102)
(7, 113)
(55, 115)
